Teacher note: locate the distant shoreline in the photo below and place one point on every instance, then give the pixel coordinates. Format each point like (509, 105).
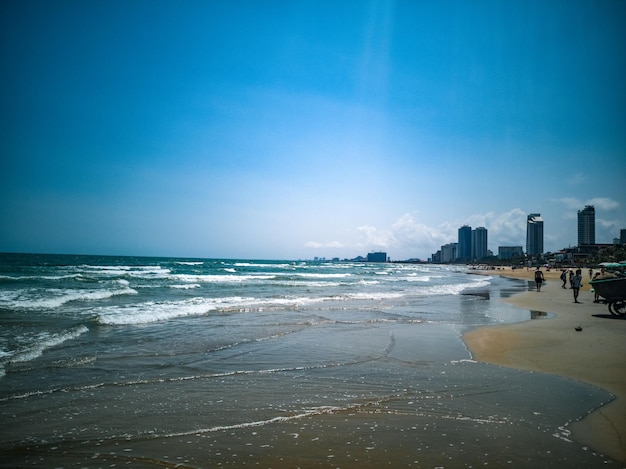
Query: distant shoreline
(594, 355)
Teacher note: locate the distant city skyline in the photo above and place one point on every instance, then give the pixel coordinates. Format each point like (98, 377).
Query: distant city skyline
(290, 130)
(460, 252)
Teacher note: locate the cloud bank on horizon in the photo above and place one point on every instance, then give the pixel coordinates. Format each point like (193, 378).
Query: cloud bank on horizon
(504, 229)
(290, 130)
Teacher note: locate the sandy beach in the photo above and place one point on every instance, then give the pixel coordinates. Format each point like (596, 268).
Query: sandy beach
(595, 355)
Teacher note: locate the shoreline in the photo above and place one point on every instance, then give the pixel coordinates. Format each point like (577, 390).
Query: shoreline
(595, 355)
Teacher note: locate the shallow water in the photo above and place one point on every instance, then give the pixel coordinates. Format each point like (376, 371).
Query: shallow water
(332, 366)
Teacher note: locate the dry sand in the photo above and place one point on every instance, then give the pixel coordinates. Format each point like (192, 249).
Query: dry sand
(594, 355)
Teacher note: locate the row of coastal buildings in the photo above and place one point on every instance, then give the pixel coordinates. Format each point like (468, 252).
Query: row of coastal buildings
(472, 243)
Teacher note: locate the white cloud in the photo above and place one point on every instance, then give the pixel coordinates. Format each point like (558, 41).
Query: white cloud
(570, 202)
(603, 203)
(374, 238)
(317, 245)
(504, 229)
(407, 237)
(334, 244)
(410, 233)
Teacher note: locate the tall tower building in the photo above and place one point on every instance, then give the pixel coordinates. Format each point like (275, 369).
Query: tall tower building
(464, 250)
(479, 243)
(587, 225)
(534, 234)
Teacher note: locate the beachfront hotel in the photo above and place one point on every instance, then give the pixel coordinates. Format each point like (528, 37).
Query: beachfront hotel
(479, 243)
(472, 245)
(587, 226)
(377, 257)
(464, 249)
(534, 234)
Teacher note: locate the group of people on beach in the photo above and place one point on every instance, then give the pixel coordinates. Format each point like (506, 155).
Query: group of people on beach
(575, 281)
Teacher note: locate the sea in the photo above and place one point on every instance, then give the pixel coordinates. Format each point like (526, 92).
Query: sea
(155, 362)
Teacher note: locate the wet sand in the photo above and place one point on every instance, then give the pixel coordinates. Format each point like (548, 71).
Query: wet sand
(594, 355)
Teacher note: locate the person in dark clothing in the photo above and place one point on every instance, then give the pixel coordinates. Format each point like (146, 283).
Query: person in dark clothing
(576, 282)
(564, 278)
(538, 278)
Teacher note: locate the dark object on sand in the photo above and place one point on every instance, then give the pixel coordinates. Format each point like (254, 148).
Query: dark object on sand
(578, 328)
(614, 291)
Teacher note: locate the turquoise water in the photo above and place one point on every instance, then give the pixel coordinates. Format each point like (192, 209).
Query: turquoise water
(152, 362)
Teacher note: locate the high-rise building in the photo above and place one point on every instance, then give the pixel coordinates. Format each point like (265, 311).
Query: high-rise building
(534, 234)
(464, 250)
(449, 252)
(587, 225)
(622, 236)
(479, 243)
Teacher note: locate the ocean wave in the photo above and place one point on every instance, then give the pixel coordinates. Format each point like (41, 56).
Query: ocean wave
(191, 278)
(309, 284)
(416, 278)
(152, 311)
(20, 278)
(55, 298)
(312, 275)
(264, 266)
(43, 341)
(376, 296)
(136, 271)
(450, 289)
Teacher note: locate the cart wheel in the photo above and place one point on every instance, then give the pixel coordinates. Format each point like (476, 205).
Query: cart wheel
(618, 307)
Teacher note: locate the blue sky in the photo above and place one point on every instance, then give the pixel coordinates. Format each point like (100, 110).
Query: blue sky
(288, 130)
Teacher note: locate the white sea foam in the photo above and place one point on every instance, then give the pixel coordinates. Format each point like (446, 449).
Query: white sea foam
(190, 278)
(38, 277)
(296, 283)
(312, 275)
(150, 312)
(55, 298)
(264, 266)
(44, 341)
(414, 278)
(450, 289)
(189, 263)
(139, 271)
(153, 311)
(375, 295)
(260, 423)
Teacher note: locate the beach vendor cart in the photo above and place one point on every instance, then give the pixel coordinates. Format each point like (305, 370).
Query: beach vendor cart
(613, 288)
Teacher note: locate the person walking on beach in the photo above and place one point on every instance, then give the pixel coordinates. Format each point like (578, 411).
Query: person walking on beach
(564, 278)
(538, 278)
(576, 281)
